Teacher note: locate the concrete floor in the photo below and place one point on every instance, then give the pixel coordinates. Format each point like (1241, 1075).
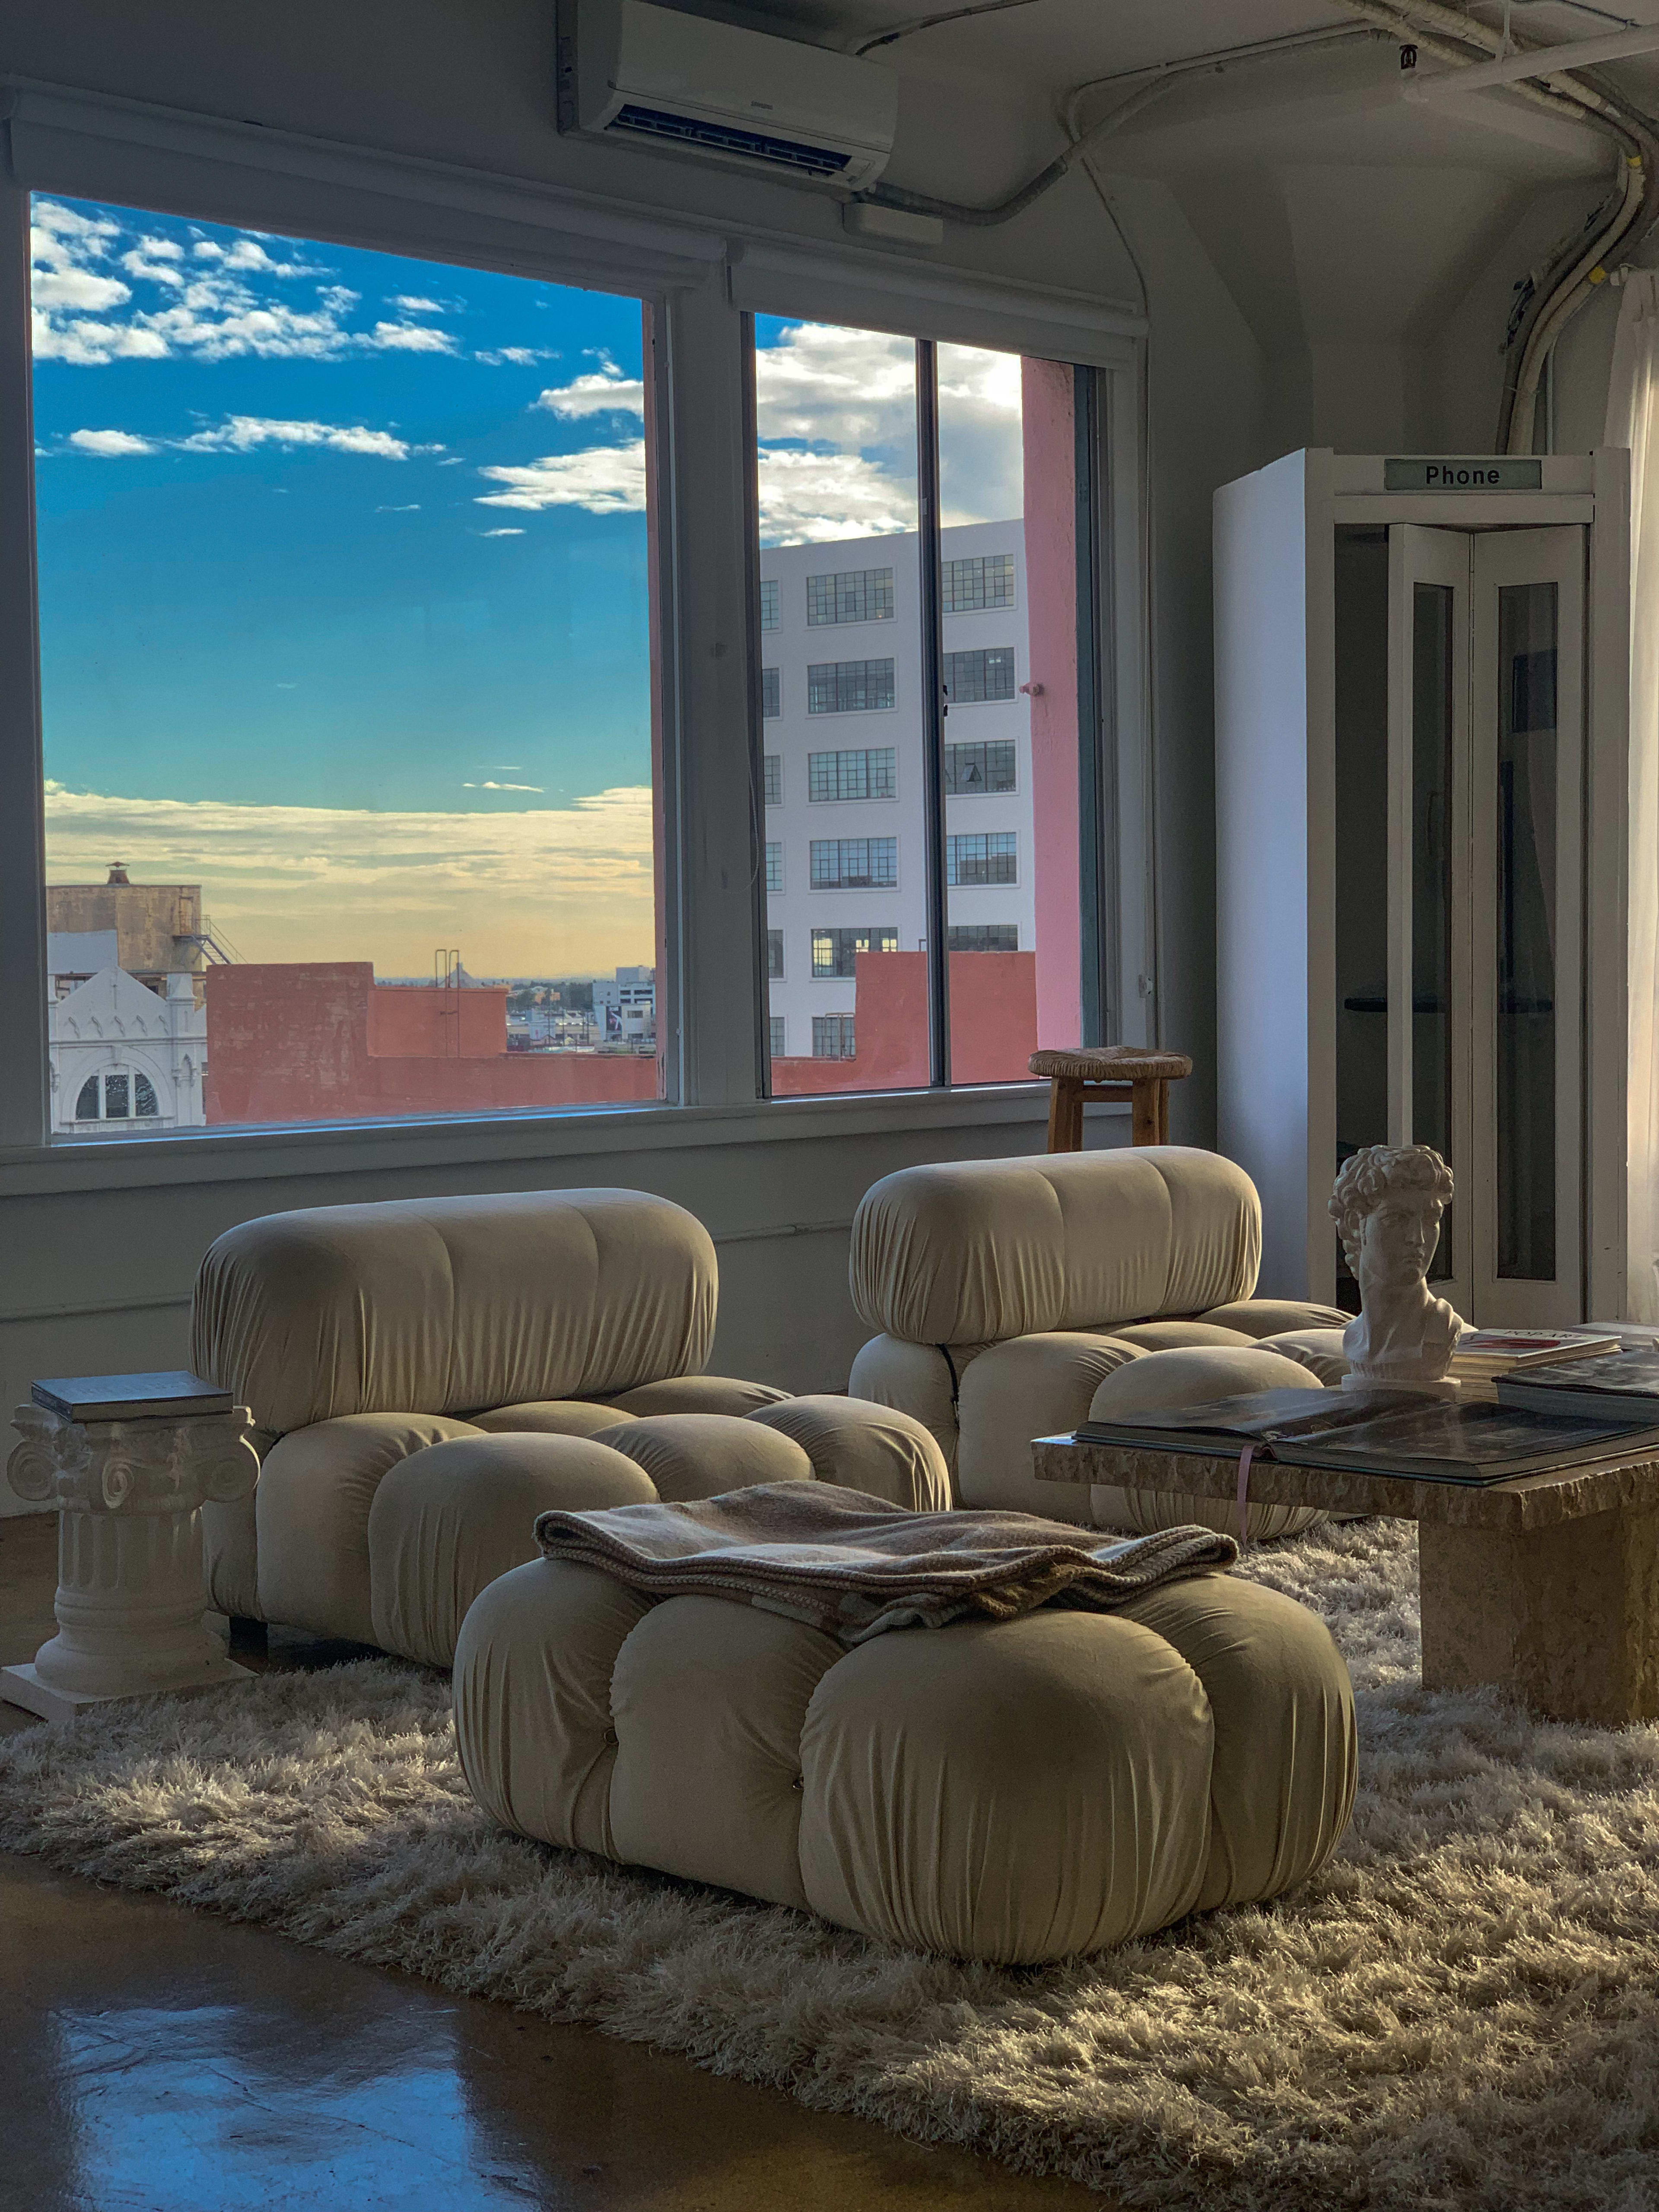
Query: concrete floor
(155, 2059)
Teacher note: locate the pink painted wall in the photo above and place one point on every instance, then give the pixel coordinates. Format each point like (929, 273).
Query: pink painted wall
(1051, 616)
(993, 1025)
(291, 1041)
(419, 1021)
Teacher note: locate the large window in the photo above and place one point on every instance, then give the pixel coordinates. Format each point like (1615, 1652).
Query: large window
(855, 596)
(834, 1038)
(868, 774)
(849, 687)
(772, 773)
(769, 603)
(854, 863)
(774, 864)
(773, 955)
(771, 694)
(835, 951)
(860, 435)
(346, 681)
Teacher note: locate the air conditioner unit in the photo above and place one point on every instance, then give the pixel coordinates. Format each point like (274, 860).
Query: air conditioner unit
(662, 78)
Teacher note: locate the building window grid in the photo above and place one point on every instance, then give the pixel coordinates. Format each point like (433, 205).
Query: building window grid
(835, 952)
(774, 956)
(771, 695)
(983, 937)
(986, 672)
(768, 603)
(122, 1095)
(855, 595)
(982, 580)
(774, 1035)
(871, 773)
(971, 771)
(833, 1037)
(854, 864)
(774, 866)
(849, 687)
(992, 858)
(772, 776)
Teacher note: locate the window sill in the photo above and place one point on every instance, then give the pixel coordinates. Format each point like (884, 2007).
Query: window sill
(358, 1148)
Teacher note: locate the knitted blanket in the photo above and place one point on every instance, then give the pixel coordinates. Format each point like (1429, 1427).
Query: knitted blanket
(856, 1566)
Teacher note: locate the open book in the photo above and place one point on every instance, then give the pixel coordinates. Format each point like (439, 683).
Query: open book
(1380, 1432)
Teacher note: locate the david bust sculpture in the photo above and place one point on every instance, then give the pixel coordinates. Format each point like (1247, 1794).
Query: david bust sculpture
(1387, 1203)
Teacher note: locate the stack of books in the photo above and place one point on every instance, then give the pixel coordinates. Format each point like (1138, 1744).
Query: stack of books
(1484, 1354)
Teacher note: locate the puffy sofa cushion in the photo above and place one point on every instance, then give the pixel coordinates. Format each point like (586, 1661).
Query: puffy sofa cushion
(446, 1522)
(976, 1251)
(552, 1417)
(698, 1393)
(450, 1306)
(312, 1506)
(870, 1448)
(1194, 1377)
(1015, 1792)
(701, 1455)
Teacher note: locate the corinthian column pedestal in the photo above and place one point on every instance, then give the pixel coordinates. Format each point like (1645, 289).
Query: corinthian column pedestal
(130, 1595)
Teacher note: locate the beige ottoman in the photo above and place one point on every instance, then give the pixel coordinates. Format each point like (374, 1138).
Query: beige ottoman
(1014, 1791)
(447, 1520)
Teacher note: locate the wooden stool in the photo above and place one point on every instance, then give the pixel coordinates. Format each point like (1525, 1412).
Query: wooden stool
(1109, 1071)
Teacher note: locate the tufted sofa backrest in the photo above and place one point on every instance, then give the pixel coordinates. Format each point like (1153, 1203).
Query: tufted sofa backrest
(979, 1251)
(452, 1305)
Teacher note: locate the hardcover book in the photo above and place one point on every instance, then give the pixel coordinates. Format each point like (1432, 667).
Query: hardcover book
(131, 1397)
(1398, 1432)
(1621, 1386)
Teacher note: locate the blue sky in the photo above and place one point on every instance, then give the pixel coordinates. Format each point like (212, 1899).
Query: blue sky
(344, 578)
(266, 614)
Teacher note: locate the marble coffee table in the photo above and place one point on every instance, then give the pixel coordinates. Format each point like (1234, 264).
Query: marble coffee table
(1547, 1586)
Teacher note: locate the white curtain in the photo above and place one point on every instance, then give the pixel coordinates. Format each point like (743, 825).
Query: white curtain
(1633, 421)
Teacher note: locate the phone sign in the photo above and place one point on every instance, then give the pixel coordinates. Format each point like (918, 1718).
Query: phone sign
(1475, 472)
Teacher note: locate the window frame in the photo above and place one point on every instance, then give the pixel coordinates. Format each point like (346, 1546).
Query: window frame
(700, 278)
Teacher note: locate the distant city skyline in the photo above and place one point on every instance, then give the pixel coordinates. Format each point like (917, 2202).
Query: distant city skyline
(343, 572)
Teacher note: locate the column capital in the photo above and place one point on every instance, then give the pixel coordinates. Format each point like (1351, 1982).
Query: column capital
(174, 1464)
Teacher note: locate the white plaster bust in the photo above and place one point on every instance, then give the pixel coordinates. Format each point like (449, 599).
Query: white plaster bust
(1387, 1204)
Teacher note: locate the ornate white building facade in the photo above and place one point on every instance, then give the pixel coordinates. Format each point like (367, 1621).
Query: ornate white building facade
(124, 1058)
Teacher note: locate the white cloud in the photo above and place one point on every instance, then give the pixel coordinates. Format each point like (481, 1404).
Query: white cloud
(603, 479)
(242, 433)
(219, 302)
(414, 508)
(498, 533)
(545, 891)
(808, 499)
(406, 337)
(412, 303)
(490, 784)
(604, 390)
(110, 445)
(521, 356)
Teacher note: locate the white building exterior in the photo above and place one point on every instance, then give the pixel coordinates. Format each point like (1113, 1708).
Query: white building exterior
(123, 1059)
(846, 859)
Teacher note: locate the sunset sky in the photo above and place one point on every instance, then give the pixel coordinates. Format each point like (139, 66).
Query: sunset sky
(344, 578)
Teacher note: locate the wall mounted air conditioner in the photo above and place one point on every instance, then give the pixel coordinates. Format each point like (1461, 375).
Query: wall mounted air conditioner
(662, 78)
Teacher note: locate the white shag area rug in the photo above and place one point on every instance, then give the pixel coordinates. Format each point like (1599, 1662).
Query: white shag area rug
(1462, 2011)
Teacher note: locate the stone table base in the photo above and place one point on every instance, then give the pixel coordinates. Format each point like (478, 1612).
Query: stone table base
(1564, 1618)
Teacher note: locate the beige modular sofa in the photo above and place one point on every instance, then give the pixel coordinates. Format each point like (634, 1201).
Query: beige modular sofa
(1007, 1291)
(475, 1351)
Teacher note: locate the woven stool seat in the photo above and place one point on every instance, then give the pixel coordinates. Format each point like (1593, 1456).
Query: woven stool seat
(1112, 1063)
(1121, 1071)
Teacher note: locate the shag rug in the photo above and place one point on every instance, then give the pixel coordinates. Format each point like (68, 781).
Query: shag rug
(1462, 2011)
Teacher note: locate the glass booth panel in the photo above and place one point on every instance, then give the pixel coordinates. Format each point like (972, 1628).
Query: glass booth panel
(1432, 801)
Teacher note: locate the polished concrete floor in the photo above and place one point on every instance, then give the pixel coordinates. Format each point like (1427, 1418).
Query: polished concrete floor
(154, 2060)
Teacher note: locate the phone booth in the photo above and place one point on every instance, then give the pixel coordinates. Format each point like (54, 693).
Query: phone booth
(1422, 676)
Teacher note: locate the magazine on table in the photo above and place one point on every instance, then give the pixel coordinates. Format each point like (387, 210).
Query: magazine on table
(1621, 1386)
(1398, 1432)
(1483, 1354)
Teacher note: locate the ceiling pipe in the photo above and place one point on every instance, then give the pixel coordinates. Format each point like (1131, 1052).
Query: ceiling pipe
(1546, 62)
(1573, 276)
(1169, 73)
